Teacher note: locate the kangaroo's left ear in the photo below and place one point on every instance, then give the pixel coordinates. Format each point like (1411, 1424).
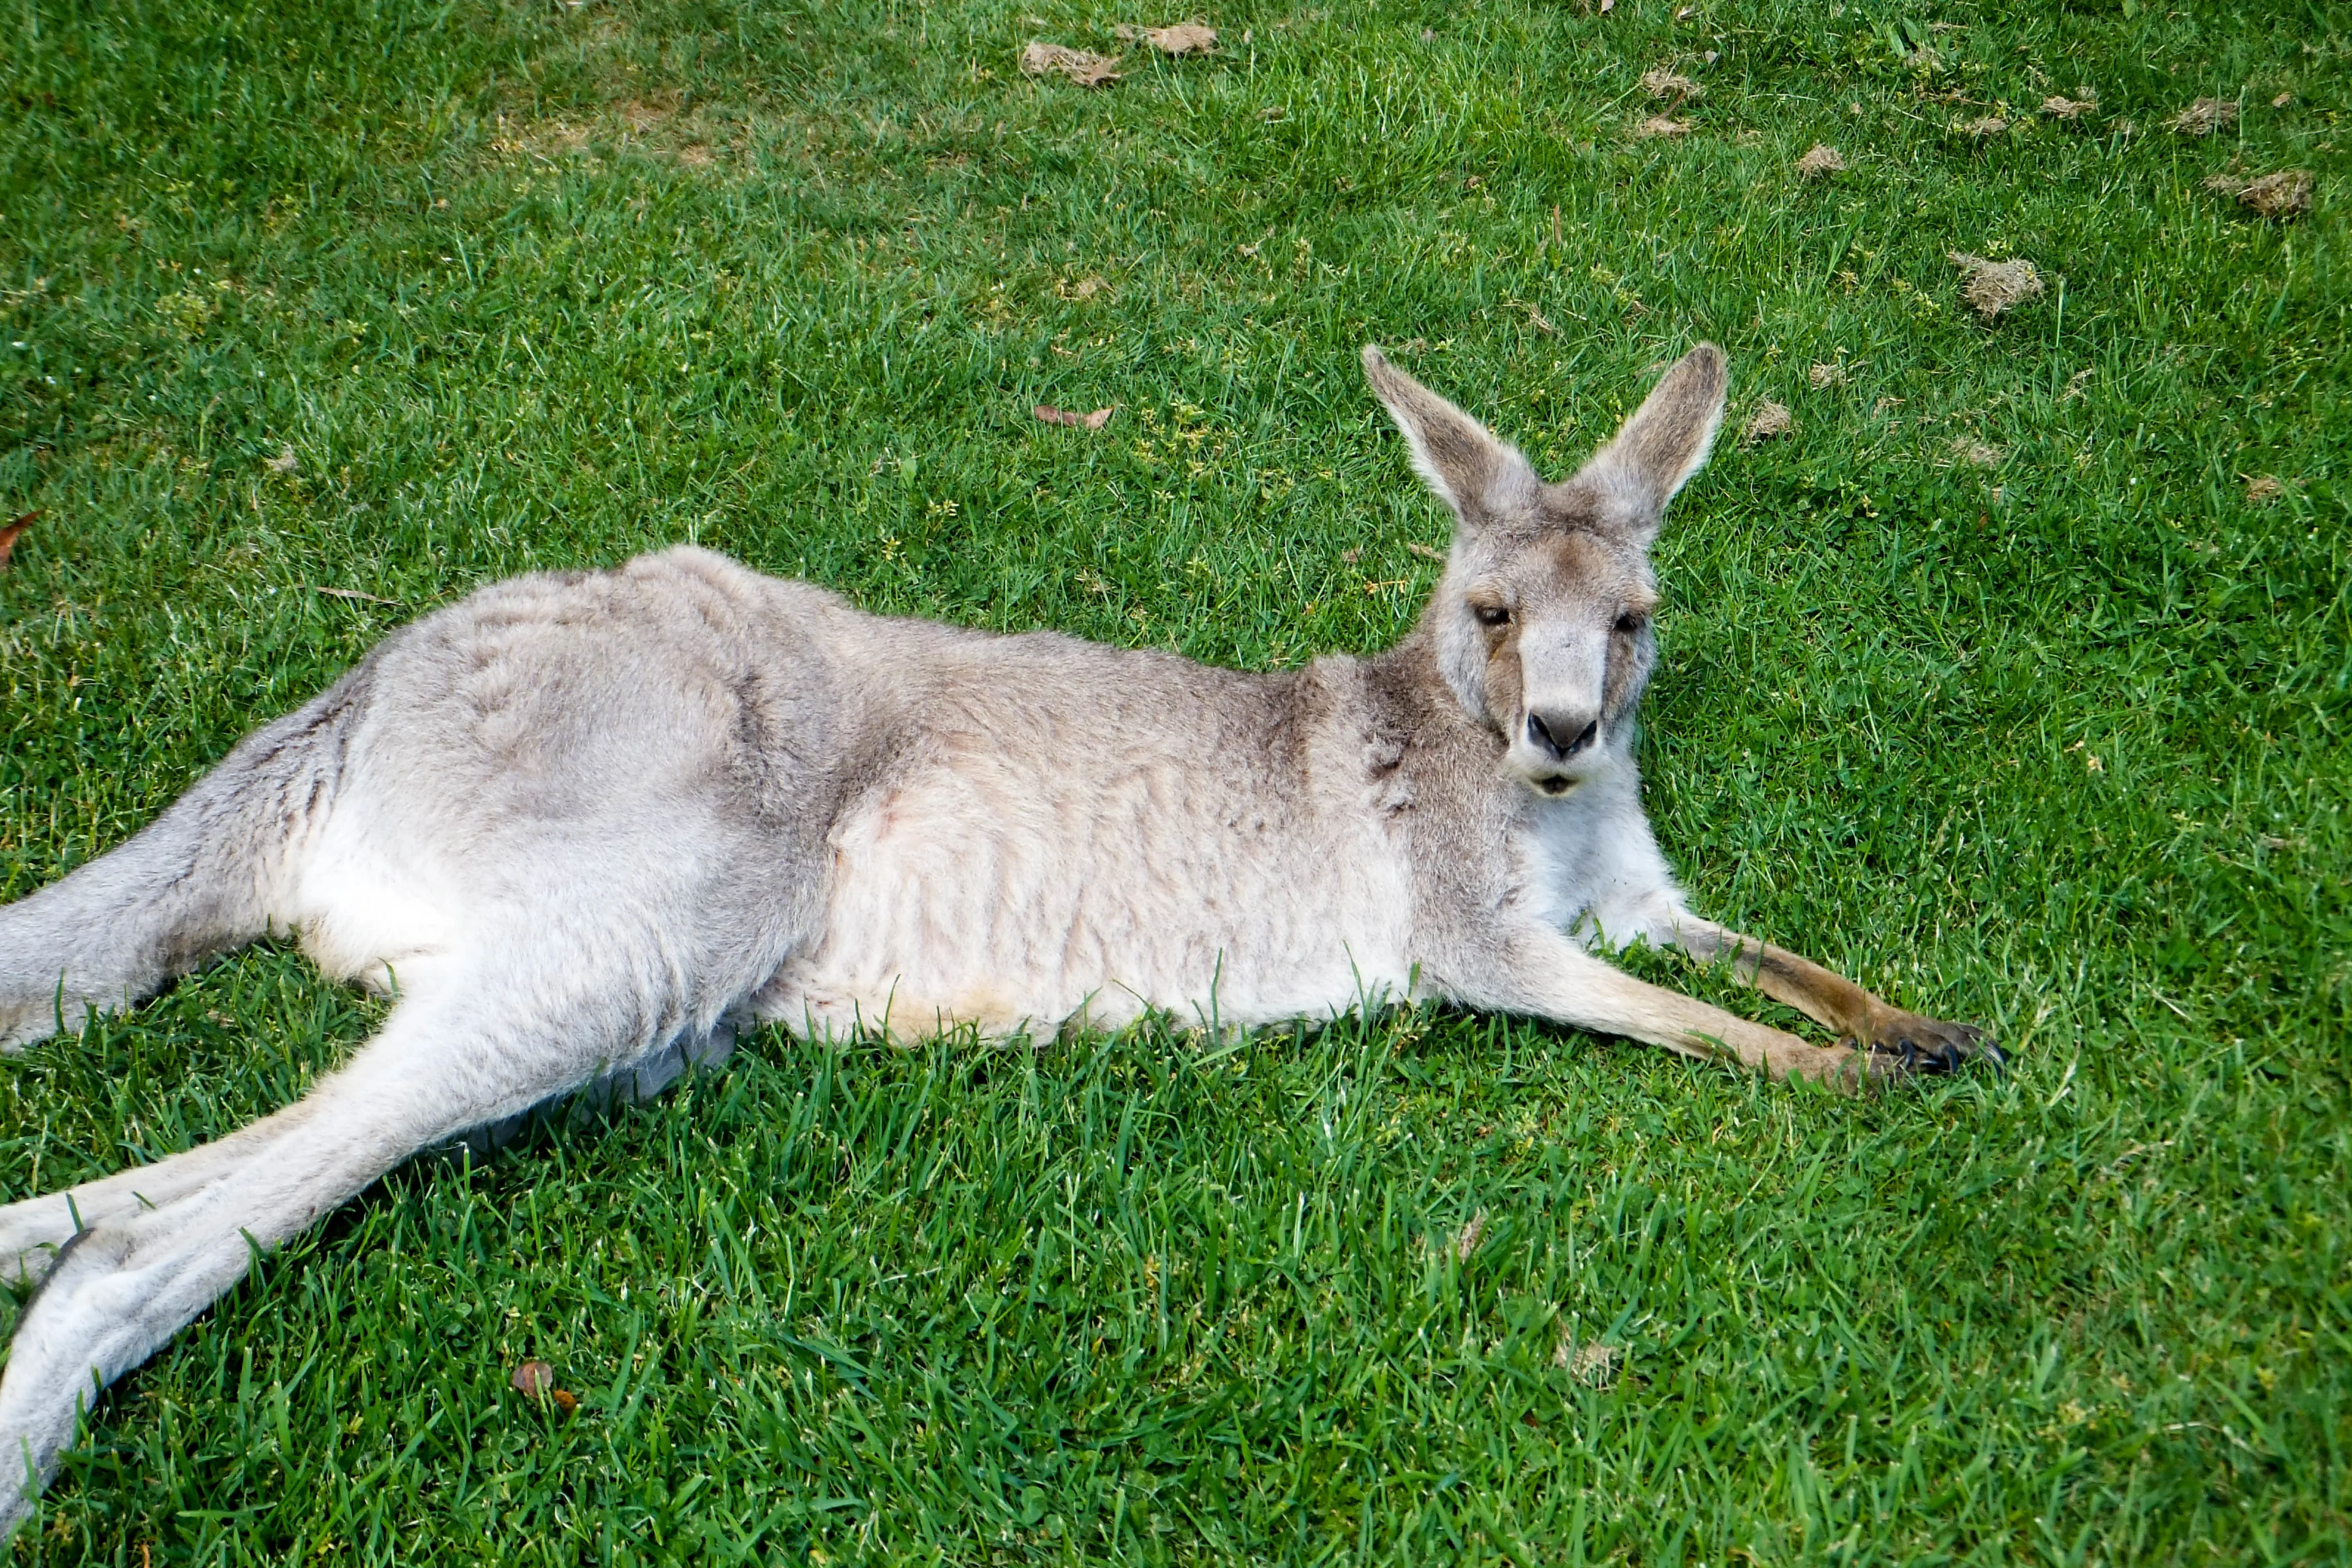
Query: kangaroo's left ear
(1665, 441)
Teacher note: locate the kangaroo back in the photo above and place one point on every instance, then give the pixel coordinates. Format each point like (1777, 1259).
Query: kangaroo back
(198, 881)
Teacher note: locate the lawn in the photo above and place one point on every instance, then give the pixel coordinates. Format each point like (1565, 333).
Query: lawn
(2013, 676)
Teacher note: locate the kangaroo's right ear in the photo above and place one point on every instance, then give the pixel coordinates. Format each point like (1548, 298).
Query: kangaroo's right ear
(1468, 469)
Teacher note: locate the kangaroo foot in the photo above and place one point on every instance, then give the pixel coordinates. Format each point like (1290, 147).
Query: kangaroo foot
(1904, 1044)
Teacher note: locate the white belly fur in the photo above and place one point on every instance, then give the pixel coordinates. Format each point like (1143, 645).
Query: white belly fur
(973, 894)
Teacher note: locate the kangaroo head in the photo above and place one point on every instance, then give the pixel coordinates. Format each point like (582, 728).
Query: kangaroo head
(1541, 621)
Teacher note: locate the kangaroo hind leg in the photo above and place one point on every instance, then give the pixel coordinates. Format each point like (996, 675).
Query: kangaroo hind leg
(168, 1240)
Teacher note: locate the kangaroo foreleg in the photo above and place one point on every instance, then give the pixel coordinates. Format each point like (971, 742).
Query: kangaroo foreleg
(1549, 975)
(1830, 999)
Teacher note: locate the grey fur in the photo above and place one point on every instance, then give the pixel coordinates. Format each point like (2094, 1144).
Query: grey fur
(582, 824)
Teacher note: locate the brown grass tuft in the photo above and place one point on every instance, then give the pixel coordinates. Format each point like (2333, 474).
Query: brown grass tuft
(1659, 125)
(1042, 58)
(2058, 107)
(1770, 420)
(1993, 286)
(1670, 85)
(2205, 116)
(1818, 160)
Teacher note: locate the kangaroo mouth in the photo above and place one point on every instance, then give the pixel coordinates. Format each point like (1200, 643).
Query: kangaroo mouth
(1553, 785)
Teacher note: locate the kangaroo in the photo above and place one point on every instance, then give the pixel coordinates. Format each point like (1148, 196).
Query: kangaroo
(580, 824)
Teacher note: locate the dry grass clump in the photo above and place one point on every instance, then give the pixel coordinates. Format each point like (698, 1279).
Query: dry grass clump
(1042, 58)
(1986, 129)
(1975, 454)
(1822, 377)
(2262, 489)
(1821, 159)
(2058, 107)
(1194, 38)
(1671, 86)
(2205, 116)
(2285, 194)
(1659, 125)
(1993, 286)
(1770, 420)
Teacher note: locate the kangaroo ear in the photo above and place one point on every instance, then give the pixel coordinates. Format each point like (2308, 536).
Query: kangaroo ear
(1666, 440)
(1470, 471)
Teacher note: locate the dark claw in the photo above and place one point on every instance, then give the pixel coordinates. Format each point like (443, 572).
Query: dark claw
(1940, 1048)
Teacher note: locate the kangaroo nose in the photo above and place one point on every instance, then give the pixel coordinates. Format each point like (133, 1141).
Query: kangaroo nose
(1546, 732)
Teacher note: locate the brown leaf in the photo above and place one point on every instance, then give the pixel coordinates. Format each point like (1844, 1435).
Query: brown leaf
(1770, 420)
(1659, 125)
(564, 1400)
(2263, 489)
(2206, 116)
(1821, 159)
(2058, 107)
(1992, 286)
(1184, 38)
(533, 1378)
(1467, 1242)
(1042, 58)
(1071, 417)
(22, 521)
(1992, 125)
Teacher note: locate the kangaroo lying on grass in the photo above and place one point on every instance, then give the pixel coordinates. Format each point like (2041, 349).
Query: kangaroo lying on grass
(580, 823)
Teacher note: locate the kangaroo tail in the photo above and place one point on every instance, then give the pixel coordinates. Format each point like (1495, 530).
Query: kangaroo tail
(200, 879)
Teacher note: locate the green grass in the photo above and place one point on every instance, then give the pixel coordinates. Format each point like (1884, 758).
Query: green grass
(2059, 745)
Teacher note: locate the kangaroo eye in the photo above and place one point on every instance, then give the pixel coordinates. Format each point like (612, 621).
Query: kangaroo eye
(1630, 625)
(1491, 614)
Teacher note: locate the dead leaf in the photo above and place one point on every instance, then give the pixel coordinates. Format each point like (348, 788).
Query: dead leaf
(2263, 488)
(1467, 1242)
(2205, 116)
(285, 462)
(1184, 38)
(1770, 420)
(1671, 86)
(2282, 100)
(2058, 107)
(17, 525)
(1659, 125)
(349, 594)
(1042, 58)
(1428, 553)
(1821, 159)
(1071, 417)
(1826, 375)
(533, 1378)
(1983, 130)
(1992, 286)
(564, 1400)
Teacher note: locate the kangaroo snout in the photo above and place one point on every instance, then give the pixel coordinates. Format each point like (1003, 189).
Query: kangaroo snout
(1560, 736)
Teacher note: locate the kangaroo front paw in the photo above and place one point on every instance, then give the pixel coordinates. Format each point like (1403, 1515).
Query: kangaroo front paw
(1904, 1044)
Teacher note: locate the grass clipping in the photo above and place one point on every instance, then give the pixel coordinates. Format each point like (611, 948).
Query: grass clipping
(1992, 286)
